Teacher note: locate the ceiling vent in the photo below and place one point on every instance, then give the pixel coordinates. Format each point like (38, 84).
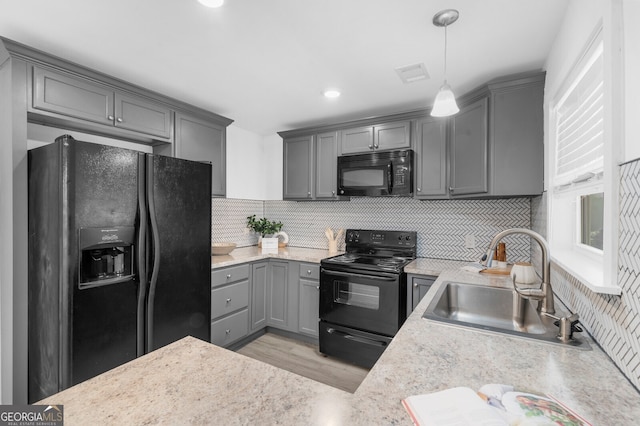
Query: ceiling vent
(412, 73)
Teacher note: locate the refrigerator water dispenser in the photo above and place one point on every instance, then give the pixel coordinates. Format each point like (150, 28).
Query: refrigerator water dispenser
(106, 255)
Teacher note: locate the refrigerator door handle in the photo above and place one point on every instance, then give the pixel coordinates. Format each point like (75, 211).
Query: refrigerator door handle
(155, 248)
(141, 255)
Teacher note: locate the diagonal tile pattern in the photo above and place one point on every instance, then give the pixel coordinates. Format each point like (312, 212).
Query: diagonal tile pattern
(442, 225)
(614, 321)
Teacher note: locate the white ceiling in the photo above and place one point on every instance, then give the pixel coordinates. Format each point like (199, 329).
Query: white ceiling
(265, 63)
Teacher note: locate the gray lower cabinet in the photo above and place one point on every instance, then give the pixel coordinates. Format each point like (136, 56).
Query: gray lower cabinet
(431, 172)
(198, 139)
(259, 284)
(417, 287)
(309, 298)
(67, 95)
(229, 304)
(282, 310)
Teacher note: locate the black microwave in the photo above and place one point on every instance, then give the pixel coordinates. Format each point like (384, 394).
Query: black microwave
(380, 173)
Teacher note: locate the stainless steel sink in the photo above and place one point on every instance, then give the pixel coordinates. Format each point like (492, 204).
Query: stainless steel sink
(493, 309)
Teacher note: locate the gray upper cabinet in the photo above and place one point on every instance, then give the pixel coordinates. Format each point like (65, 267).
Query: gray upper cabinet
(431, 158)
(83, 99)
(516, 137)
(298, 168)
(497, 140)
(387, 136)
(326, 163)
(310, 164)
(469, 149)
(202, 140)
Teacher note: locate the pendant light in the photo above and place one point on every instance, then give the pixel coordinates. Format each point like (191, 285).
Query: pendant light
(445, 103)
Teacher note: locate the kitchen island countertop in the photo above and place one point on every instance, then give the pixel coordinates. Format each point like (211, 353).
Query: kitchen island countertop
(193, 382)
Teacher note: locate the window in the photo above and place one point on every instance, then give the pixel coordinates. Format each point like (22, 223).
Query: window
(581, 199)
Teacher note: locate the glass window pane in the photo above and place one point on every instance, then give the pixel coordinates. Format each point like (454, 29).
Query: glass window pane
(592, 219)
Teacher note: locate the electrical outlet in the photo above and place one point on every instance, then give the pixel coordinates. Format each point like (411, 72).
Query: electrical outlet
(469, 241)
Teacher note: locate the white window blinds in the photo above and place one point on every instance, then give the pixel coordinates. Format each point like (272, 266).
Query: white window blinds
(579, 126)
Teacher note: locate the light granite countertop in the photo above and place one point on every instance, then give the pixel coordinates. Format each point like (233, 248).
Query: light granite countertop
(193, 382)
(254, 253)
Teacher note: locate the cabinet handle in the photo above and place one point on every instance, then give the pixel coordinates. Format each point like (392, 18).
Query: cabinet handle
(228, 276)
(317, 287)
(110, 117)
(308, 271)
(415, 284)
(119, 120)
(228, 300)
(227, 331)
(333, 192)
(451, 189)
(370, 146)
(309, 194)
(376, 146)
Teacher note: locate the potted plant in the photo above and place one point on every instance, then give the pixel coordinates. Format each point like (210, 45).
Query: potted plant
(265, 228)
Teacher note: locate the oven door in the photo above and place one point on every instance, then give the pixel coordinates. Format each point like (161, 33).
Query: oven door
(370, 301)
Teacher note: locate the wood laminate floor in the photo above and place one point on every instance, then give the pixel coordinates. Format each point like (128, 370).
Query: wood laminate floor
(304, 359)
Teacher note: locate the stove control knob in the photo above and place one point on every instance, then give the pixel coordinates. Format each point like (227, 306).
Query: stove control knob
(408, 238)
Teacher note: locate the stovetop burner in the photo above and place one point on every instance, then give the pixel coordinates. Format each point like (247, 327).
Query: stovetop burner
(387, 251)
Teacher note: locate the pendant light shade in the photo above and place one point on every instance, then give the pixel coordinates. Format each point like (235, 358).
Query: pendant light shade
(445, 103)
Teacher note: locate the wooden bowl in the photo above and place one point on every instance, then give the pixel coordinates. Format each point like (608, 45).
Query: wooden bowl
(219, 249)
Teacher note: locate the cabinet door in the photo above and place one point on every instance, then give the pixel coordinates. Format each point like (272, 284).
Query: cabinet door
(298, 168)
(468, 173)
(200, 140)
(392, 135)
(326, 165)
(419, 287)
(259, 279)
(308, 305)
(278, 295)
(431, 158)
(356, 140)
(142, 115)
(517, 140)
(72, 96)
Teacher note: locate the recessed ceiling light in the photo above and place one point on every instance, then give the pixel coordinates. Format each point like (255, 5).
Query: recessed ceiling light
(212, 3)
(331, 93)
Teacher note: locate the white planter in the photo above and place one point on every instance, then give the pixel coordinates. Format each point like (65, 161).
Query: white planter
(269, 245)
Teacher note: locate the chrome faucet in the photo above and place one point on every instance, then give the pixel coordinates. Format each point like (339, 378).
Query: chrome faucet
(544, 294)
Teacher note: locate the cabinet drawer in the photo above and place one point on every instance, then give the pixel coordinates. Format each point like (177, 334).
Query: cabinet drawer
(227, 330)
(227, 299)
(229, 275)
(310, 271)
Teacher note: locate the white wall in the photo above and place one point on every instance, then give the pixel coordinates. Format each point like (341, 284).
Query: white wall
(245, 164)
(631, 17)
(273, 159)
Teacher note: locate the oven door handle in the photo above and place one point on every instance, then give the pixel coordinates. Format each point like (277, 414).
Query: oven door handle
(373, 277)
(360, 339)
(390, 177)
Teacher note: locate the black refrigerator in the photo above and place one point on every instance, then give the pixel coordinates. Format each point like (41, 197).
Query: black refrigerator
(119, 258)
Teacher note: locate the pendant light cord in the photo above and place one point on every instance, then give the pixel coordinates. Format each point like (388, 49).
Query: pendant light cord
(445, 54)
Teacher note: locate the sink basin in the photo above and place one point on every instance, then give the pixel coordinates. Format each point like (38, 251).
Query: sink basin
(493, 309)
